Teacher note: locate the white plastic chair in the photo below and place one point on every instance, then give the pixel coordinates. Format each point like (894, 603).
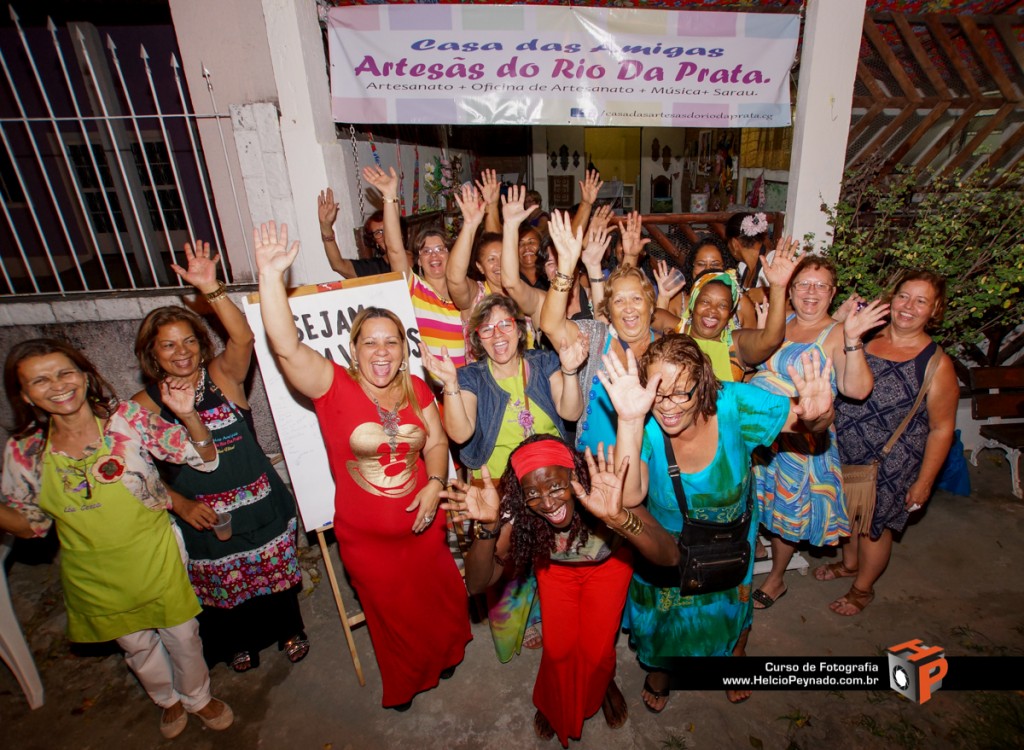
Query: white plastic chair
(13, 647)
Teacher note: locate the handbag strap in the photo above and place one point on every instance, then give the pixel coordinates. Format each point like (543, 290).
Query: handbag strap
(677, 483)
(929, 373)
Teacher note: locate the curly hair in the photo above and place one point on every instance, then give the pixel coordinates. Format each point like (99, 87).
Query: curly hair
(707, 240)
(482, 311)
(937, 282)
(626, 272)
(28, 417)
(734, 230)
(145, 339)
(533, 538)
(681, 350)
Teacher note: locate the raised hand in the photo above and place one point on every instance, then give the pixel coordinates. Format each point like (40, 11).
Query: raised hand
(761, 313)
(472, 503)
(632, 240)
(605, 497)
(179, 395)
(271, 248)
(630, 399)
(442, 368)
(779, 270)
(669, 284)
(590, 186)
(326, 211)
(849, 306)
(471, 205)
(489, 187)
(859, 322)
(601, 217)
(385, 182)
(598, 240)
(568, 245)
(572, 356)
(512, 208)
(813, 387)
(202, 269)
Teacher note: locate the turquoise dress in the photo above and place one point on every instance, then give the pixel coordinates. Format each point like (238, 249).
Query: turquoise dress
(663, 623)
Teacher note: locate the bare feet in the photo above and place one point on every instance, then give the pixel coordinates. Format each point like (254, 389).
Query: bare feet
(656, 691)
(542, 726)
(738, 696)
(614, 706)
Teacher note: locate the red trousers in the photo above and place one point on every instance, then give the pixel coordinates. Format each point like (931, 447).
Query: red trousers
(581, 609)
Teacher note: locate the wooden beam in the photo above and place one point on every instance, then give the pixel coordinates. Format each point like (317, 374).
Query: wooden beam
(944, 140)
(923, 60)
(864, 121)
(968, 150)
(887, 132)
(889, 57)
(1004, 27)
(667, 245)
(934, 24)
(913, 137)
(987, 59)
(1009, 144)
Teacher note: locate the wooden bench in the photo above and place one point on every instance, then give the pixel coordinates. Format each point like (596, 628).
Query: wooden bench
(998, 392)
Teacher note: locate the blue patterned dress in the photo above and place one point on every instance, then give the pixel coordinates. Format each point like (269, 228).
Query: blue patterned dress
(799, 478)
(864, 427)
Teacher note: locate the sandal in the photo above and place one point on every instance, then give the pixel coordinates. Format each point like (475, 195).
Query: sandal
(296, 647)
(855, 598)
(832, 571)
(764, 599)
(243, 661)
(656, 694)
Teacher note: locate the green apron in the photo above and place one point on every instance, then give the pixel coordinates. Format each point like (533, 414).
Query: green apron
(121, 567)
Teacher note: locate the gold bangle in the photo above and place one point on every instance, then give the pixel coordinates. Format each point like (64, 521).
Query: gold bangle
(217, 293)
(390, 200)
(632, 526)
(560, 284)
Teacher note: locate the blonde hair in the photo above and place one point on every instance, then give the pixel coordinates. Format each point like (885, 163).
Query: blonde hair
(372, 313)
(626, 272)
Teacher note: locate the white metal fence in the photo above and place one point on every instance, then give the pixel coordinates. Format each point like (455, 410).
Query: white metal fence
(102, 177)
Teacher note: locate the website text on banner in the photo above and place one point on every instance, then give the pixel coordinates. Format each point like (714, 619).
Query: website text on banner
(542, 65)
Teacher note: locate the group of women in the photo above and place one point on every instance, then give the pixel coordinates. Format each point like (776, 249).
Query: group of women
(579, 534)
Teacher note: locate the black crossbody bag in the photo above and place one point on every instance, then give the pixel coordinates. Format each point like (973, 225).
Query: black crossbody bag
(712, 556)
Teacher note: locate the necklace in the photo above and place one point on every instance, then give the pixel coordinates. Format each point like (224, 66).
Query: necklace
(525, 418)
(390, 422)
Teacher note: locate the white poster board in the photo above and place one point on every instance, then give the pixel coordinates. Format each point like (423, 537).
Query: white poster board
(323, 320)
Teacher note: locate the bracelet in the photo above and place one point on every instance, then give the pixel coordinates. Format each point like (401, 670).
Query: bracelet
(456, 392)
(560, 284)
(561, 275)
(390, 200)
(632, 526)
(854, 348)
(482, 533)
(567, 373)
(202, 443)
(443, 482)
(217, 293)
(328, 237)
(596, 279)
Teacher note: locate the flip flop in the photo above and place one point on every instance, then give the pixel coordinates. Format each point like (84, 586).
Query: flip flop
(655, 693)
(764, 600)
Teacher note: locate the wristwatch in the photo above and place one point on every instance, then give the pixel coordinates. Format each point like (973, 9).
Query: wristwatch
(480, 532)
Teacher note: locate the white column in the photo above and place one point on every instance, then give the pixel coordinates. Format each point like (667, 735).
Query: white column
(828, 66)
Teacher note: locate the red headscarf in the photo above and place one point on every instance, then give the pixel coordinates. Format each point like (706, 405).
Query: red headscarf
(540, 454)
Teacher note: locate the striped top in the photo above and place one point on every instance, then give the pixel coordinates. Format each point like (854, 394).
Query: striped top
(439, 321)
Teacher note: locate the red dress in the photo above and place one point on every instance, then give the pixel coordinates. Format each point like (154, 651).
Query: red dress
(412, 594)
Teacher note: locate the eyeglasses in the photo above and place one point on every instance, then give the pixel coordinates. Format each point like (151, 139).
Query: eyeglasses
(433, 250)
(552, 494)
(804, 286)
(377, 232)
(505, 325)
(715, 265)
(679, 399)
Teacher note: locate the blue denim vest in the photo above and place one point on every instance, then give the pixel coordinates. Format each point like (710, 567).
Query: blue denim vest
(492, 400)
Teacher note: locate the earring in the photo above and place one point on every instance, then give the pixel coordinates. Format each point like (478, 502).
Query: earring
(404, 366)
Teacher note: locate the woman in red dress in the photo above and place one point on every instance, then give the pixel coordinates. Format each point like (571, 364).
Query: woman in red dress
(389, 457)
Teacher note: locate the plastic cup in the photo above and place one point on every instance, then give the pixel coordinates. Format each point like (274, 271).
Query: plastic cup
(223, 526)
(675, 278)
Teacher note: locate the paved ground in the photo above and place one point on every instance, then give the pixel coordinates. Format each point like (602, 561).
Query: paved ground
(954, 581)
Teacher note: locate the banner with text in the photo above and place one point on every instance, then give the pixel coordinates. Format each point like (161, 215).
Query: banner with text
(540, 65)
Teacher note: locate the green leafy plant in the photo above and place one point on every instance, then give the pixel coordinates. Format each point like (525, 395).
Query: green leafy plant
(969, 229)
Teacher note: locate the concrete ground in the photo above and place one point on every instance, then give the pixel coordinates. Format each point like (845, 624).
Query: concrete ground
(954, 581)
